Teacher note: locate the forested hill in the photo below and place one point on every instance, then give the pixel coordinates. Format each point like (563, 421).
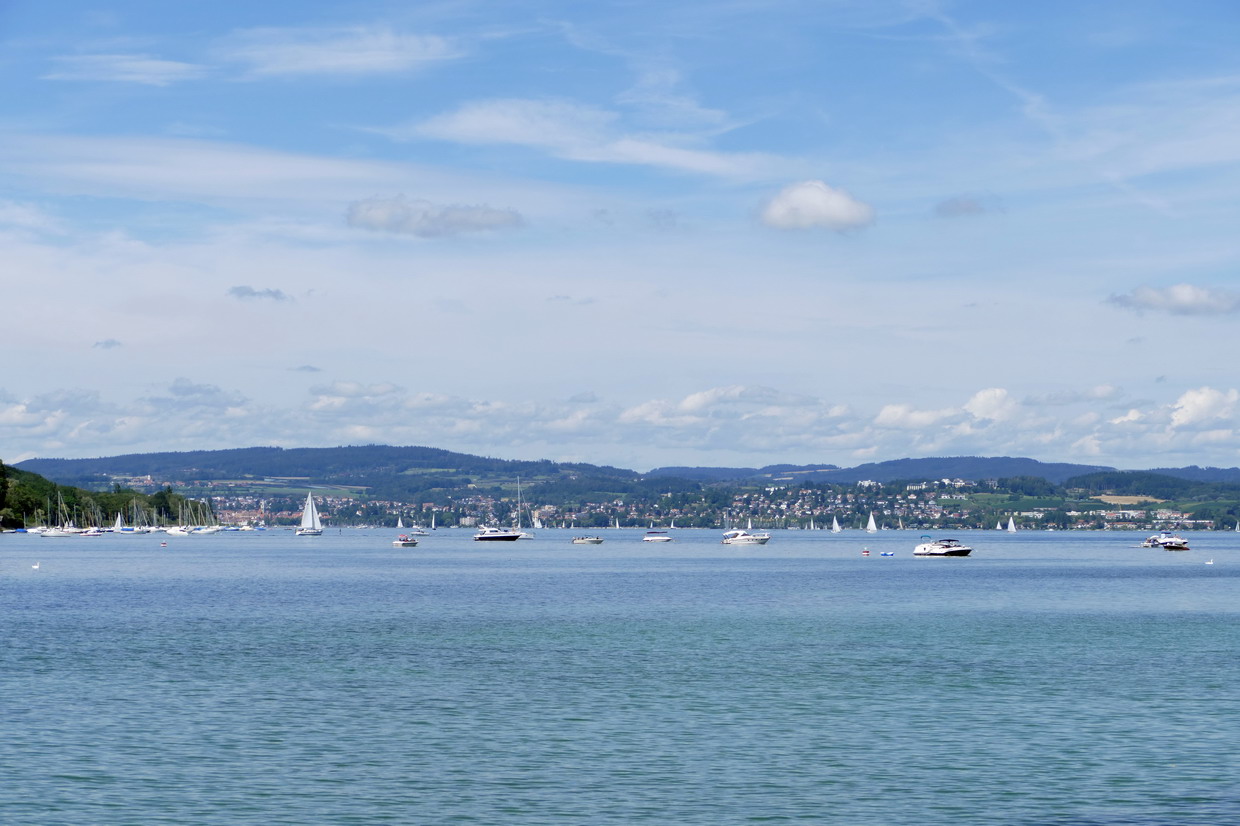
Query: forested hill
(948, 467)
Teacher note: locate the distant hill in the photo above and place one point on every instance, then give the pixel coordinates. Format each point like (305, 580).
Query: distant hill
(952, 467)
(1201, 474)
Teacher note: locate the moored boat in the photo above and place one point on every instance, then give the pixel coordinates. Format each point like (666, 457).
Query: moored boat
(739, 536)
(942, 547)
(496, 535)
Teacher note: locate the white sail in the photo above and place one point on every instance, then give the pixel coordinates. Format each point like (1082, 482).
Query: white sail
(1011, 528)
(999, 525)
(835, 525)
(310, 524)
(400, 523)
(872, 526)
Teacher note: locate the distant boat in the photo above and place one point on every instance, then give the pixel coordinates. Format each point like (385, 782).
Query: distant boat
(588, 540)
(999, 525)
(871, 526)
(521, 534)
(1011, 528)
(835, 525)
(941, 547)
(741, 537)
(405, 541)
(1166, 541)
(656, 536)
(496, 535)
(310, 524)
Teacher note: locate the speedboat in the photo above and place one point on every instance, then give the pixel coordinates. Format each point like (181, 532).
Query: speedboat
(405, 541)
(587, 540)
(738, 536)
(1166, 541)
(656, 536)
(942, 547)
(496, 535)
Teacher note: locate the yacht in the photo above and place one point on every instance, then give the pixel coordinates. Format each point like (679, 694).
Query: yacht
(656, 536)
(1166, 541)
(311, 525)
(942, 547)
(739, 536)
(496, 535)
(587, 540)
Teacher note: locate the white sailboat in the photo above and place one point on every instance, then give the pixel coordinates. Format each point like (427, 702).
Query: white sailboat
(310, 524)
(871, 526)
(1011, 528)
(999, 525)
(523, 534)
(835, 525)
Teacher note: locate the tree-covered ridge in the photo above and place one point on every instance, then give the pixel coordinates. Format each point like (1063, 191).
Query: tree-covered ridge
(27, 498)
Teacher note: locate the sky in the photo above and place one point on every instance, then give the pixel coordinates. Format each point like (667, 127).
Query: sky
(631, 233)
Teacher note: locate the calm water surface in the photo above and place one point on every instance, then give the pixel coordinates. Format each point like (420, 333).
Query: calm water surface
(1052, 678)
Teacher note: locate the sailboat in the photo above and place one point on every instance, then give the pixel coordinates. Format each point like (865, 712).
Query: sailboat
(522, 534)
(871, 526)
(310, 524)
(835, 525)
(1011, 528)
(999, 525)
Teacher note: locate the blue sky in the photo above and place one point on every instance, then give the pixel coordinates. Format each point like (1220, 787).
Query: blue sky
(712, 234)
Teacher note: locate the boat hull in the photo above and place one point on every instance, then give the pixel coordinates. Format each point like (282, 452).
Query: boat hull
(955, 552)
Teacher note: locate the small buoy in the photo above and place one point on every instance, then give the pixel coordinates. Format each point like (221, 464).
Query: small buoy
(865, 551)
(163, 544)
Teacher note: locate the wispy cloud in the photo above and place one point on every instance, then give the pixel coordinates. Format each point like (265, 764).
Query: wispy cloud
(1179, 299)
(306, 368)
(124, 68)
(106, 344)
(815, 205)
(426, 220)
(967, 206)
(579, 132)
(245, 293)
(353, 50)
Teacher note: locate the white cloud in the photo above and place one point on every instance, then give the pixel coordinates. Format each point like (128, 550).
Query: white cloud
(815, 205)
(1180, 299)
(124, 68)
(903, 416)
(992, 403)
(1205, 404)
(580, 133)
(356, 50)
(28, 217)
(427, 220)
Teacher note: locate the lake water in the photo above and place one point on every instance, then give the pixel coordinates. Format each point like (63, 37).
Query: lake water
(1051, 678)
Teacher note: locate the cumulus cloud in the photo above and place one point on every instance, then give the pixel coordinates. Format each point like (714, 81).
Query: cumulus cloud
(1179, 299)
(815, 205)
(714, 425)
(426, 220)
(1204, 404)
(354, 50)
(244, 293)
(992, 404)
(124, 68)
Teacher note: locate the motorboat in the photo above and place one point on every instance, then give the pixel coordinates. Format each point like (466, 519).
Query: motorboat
(496, 535)
(656, 536)
(739, 536)
(942, 547)
(1166, 541)
(587, 540)
(405, 541)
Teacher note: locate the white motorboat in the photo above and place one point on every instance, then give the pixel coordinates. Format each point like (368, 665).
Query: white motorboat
(739, 536)
(656, 536)
(587, 540)
(405, 541)
(942, 547)
(496, 535)
(310, 523)
(1166, 541)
